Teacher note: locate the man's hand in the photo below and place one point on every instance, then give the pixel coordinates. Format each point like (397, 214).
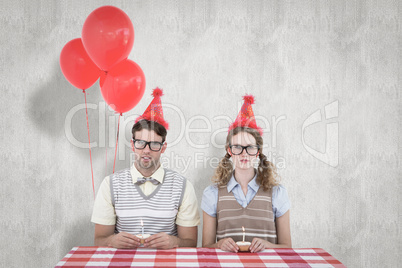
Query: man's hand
(228, 244)
(124, 240)
(162, 241)
(259, 244)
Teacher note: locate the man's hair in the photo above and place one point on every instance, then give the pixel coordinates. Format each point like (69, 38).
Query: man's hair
(150, 125)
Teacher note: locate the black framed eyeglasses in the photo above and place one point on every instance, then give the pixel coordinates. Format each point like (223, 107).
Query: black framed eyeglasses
(238, 149)
(153, 145)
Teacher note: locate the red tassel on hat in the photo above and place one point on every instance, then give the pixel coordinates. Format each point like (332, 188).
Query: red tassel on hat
(154, 112)
(157, 92)
(246, 118)
(249, 99)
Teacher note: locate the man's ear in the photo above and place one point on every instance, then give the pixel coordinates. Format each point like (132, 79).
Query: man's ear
(164, 147)
(132, 145)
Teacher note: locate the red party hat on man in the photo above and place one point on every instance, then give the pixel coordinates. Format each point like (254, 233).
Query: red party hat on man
(246, 118)
(154, 112)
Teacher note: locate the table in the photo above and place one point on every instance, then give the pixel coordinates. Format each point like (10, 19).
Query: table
(196, 257)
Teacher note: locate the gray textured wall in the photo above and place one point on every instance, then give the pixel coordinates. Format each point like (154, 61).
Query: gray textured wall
(326, 77)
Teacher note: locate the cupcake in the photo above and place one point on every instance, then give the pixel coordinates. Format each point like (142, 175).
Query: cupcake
(143, 237)
(243, 245)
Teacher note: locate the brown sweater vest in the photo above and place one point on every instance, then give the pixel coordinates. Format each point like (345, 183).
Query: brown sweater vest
(257, 218)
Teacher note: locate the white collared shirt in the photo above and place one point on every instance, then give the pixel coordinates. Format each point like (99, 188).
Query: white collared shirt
(148, 187)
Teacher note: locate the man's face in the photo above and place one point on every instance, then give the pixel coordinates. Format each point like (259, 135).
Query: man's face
(146, 159)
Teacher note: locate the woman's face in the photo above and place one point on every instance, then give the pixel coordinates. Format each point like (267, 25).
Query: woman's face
(244, 150)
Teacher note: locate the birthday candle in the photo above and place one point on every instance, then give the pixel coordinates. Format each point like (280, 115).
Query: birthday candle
(142, 228)
(244, 232)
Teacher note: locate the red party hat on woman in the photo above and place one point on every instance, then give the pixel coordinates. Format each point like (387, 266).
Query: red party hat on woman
(154, 112)
(246, 118)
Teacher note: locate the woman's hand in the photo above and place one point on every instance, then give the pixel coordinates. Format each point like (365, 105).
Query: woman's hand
(228, 244)
(259, 244)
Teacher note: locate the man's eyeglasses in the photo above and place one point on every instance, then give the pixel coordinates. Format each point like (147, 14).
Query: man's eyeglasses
(238, 149)
(153, 145)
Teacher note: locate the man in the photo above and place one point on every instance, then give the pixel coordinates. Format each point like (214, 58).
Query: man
(147, 197)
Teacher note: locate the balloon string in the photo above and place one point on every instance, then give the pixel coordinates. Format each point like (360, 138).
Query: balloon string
(117, 142)
(106, 144)
(106, 162)
(89, 140)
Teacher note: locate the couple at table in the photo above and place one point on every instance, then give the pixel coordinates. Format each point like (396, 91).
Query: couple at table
(147, 198)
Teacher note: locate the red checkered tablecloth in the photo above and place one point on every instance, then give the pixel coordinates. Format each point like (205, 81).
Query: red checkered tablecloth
(196, 257)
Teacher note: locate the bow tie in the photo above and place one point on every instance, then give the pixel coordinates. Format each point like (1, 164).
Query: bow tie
(142, 180)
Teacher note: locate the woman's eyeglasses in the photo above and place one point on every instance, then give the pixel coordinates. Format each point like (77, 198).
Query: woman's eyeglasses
(238, 149)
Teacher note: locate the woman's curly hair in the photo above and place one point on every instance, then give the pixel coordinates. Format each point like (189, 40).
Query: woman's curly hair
(266, 171)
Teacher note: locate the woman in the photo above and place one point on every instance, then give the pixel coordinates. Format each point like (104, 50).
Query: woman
(245, 197)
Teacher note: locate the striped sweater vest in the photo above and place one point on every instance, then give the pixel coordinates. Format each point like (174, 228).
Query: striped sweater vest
(257, 218)
(158, 210)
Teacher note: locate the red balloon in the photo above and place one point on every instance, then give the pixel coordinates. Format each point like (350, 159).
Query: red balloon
(76, 65)
(108, 36)
(123, 86)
